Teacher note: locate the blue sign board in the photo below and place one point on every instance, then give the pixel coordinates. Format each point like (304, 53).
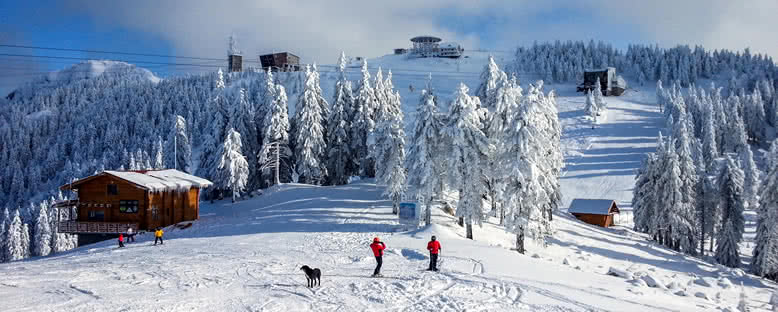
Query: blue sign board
(409, 213)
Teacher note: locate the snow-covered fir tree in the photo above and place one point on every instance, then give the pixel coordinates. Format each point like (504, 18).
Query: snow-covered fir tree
(389, 150)
(309, 144)
(765, 254)
(467, 147)
(424, 152)
(731, 203)
(232, 169)
(5, 222)
(16, 246)
(180, 147)
(599, 99)
(275, 144)
(340, 165)
(752, 178)
(362, 122)
(43, 232)
(590, 107)
(491, 77)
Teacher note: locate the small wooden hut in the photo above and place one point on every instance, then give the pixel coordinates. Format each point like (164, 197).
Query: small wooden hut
(283, 61)
(111, 202)
(610, 83)
(594, 211)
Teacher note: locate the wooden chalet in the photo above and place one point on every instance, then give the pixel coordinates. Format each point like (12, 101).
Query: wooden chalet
(283, 61)
(114, 201)
(610, 83)
(594, 211)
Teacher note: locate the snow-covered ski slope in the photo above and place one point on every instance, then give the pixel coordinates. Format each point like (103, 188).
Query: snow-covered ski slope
(246, 256)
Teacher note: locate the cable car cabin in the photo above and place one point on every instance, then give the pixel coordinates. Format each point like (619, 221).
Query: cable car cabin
(610, 83)
(114, 201)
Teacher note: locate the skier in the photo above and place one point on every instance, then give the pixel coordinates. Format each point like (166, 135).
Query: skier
(121, 240)
(158, 236)
(434, 247)
(130, 235)
(378, 251)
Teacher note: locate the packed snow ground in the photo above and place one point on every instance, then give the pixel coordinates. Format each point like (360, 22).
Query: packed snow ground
(246, 256)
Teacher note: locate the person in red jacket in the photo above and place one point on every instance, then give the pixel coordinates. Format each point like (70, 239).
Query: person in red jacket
(434, 247)
(378, 251)
(121, 240)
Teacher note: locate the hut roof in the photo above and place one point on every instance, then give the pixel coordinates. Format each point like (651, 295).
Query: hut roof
(593, 206)
(153, 180)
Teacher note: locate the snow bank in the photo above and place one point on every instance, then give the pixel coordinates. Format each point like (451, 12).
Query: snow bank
(620, 273)
(653, 281)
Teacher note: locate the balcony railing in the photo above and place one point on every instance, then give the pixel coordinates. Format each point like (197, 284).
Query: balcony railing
(76, 227)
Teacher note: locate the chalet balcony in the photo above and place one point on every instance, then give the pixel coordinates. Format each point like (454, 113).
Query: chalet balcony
(76, 227)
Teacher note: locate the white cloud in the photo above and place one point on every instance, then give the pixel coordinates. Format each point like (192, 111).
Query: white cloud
(319, 30)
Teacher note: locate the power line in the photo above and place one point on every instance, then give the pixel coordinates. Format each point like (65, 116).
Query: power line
(110, 52)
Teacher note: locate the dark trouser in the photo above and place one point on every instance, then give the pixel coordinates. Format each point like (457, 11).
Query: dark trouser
(121, 244)
(380, 261)
(131, 238)
(158, 239)
(433, 262)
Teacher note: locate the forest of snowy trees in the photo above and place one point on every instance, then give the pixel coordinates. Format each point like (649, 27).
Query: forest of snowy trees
(239, 130)
(566, 62)
(703, 176)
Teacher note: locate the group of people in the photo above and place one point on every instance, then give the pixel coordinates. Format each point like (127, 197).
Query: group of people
(131, 237)
(433, 246)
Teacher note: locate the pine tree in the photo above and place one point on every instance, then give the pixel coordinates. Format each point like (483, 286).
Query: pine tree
(159, 162)
(15, 248)
(182, 150)
(491, 78)
(468, 145)
(310, 147)
(42, 232)
(765, 254)
(339, 162)
(389, 151)
(232, 170)
(590, 107)
(599, 99)
(752, 178)
(275, 146)
(362, 123)
(683, 220)
(731, 201)
(644, 193)
(424, 153)
(5, 222)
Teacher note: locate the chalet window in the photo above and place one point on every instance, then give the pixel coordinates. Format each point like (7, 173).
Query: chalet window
(113, 189)
(96, 215)
(154, 212)
(128, 206)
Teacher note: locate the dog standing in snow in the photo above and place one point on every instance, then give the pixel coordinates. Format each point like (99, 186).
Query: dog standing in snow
(312, 275)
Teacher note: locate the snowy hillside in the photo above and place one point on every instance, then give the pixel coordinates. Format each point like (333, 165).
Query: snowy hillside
(246, 256)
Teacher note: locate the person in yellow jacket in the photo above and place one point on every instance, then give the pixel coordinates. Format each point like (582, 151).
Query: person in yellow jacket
(158, 236)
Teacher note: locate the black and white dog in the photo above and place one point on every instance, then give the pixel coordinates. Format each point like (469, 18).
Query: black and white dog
(312, 275)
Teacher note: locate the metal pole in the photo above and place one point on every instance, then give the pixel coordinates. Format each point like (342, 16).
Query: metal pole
(175, 144)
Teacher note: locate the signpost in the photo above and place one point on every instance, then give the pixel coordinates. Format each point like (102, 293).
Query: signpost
(409, 214)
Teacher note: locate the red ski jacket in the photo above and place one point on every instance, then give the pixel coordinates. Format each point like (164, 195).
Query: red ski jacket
(378, 248)
(433, 247)
(121, 237)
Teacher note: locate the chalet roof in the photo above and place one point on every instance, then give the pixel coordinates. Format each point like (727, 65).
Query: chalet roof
(592, 206)
(153, 180)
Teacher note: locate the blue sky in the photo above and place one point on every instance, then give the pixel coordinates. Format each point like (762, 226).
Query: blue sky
(319, 30)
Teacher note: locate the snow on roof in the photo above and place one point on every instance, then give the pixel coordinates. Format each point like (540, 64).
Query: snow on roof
(161, 180)
(591, 206)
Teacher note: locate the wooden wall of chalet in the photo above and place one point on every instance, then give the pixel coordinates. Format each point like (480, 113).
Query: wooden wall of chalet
(172, 207)
(600, 220)
(94, 199)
